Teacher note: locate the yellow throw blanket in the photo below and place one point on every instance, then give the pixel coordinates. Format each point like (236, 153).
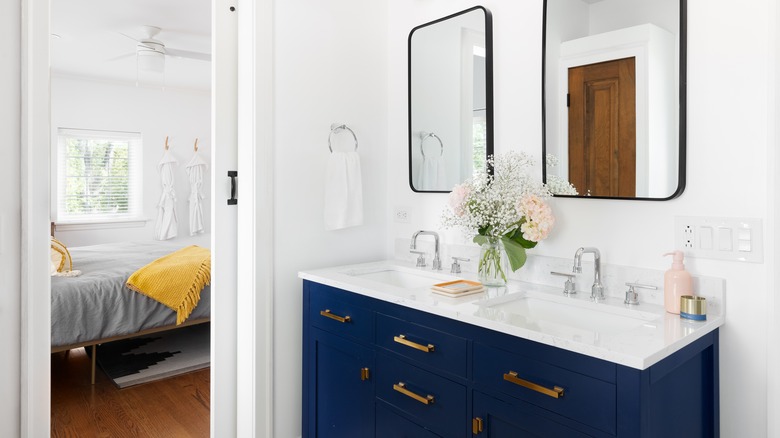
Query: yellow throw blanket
(175, 280)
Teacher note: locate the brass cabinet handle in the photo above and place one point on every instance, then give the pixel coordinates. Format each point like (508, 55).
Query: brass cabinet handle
(556, 392)
(476, 426)
(401, 339)
(327, 313)
(401, 387)
(365, 374)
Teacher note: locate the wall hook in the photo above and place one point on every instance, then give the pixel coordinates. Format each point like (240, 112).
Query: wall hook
(166, 142)
(196, 145)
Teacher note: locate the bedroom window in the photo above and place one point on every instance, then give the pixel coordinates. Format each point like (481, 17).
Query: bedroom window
(99, 176)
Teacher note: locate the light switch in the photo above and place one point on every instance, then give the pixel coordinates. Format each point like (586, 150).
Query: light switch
(743, 240)
(705, 237)
(724, 239)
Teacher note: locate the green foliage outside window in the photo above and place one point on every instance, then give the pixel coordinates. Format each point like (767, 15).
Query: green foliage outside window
(97, 177)
(480, 141)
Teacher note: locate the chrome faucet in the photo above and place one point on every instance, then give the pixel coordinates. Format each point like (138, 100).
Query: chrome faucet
(436, 260)
(597, 290)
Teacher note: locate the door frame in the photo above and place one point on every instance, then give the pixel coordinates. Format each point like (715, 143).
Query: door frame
(255, 145)
(255, 333)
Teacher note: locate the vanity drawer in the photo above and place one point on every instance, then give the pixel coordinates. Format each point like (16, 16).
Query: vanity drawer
(433, 402)
(391, 425)
(583, 398)
(340, 316)
(423, 344)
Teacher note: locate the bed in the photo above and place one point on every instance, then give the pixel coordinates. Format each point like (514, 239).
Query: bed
(97, 307)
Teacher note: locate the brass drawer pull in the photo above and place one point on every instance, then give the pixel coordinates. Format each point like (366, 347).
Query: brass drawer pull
(556, 392)
(401, 387)
(401, 339)
(327, 313)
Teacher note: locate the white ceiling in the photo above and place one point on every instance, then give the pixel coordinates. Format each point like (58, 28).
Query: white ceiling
(90, 40)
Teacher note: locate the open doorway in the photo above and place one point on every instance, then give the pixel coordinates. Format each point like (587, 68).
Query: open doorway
(131, 114)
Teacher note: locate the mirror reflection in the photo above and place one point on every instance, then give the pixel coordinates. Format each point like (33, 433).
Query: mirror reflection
(450, 99)
(613, 97)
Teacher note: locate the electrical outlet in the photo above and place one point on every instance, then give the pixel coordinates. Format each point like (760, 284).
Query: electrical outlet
(688, 236)
(401, 215)
(685, 232)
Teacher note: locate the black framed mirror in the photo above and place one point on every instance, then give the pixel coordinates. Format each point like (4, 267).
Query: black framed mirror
(450, 99)
(614, 99)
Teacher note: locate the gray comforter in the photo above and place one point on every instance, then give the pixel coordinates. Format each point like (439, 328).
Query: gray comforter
(97, 304)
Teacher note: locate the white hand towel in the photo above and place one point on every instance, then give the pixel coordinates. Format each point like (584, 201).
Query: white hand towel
(432, 175)
(343, 191)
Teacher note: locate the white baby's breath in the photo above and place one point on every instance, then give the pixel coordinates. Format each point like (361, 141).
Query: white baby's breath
(486, 204)
(555, 183)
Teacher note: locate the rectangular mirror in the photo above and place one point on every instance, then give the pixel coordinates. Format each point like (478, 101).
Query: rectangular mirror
(450, 99)
(614, 98)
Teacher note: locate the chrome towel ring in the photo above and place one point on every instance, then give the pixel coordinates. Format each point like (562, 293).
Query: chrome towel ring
(424, 136)
(336, 128)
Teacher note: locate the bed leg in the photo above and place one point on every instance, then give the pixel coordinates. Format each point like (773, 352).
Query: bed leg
(94, 358)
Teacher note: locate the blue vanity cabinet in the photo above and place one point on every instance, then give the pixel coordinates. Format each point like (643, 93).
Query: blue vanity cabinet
(338, 362)
(428, 376)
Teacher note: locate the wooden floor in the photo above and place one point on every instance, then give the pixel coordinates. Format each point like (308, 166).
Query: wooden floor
(173, 407)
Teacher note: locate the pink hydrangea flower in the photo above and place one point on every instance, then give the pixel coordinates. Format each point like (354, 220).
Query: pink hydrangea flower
(457, 199)
(539, 218)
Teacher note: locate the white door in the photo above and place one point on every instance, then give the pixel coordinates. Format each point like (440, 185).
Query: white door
(223, 221)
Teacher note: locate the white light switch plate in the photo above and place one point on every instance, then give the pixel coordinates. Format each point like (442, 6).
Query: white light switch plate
(721, 238)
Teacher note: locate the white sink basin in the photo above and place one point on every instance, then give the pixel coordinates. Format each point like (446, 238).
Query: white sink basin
(566, 316)
(402, 277)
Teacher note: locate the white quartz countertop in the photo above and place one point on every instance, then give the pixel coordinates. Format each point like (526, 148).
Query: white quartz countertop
(634, 336)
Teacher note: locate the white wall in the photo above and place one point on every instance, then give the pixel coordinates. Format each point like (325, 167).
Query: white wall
(183, 115)
(772, 236)
(10, 219)
(727, 147)
(566, 25)
(610, 15)
(330, 66)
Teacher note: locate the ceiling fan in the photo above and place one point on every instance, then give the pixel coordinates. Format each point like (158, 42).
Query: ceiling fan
(150, 52)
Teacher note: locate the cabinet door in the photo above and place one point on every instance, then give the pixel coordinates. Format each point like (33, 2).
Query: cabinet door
(339, 390)
(503, 418)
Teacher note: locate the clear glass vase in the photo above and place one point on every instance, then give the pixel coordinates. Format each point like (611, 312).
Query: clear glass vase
(493, 264)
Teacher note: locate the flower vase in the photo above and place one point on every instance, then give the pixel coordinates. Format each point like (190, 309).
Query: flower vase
(493, 264)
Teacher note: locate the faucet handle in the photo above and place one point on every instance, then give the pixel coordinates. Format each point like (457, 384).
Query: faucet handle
(632, 297)
(569, 287)
(456, 265)
(420, 258)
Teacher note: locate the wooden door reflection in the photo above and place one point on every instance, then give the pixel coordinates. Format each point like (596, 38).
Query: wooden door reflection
(602, 128)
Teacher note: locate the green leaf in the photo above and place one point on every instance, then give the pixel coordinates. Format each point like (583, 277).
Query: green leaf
(480, 239)
(515, 253)
(517, 236)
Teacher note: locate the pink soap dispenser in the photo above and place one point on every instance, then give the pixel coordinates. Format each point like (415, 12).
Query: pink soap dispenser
(677, 282)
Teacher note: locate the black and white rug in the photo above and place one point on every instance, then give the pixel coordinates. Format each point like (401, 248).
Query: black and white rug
(157, 356)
